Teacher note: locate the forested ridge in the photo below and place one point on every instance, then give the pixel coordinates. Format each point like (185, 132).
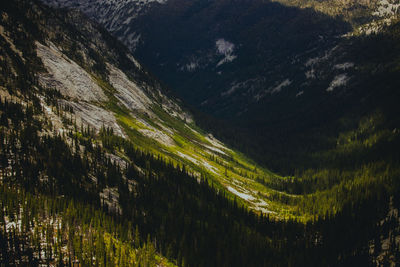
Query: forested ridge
(94, 198)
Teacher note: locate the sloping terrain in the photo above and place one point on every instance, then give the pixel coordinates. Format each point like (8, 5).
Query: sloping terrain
(90, 155)
(99, 94)
(356, 12)
(264, 67)
(114, 15)
(253, 49)
(91, 142)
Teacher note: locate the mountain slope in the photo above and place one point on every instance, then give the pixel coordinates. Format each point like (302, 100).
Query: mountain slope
(83, 122)
(239, 63)
(114, 15)
(68, 168)
(356, 12)
(281, 129)
(102, 86)
(263, 67)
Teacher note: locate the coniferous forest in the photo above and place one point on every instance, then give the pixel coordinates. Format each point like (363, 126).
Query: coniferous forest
(53, 213)
(87, 197)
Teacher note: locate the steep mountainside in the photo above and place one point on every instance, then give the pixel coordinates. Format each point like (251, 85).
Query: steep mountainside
(95, 158)
(226, 57)
(99, 165)
(101, 86)
(357, 12)
(264, 67)
(115, 15)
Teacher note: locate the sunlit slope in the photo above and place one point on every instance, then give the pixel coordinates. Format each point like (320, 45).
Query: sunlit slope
(155, 123)
(96, 84)
(158, 125)
(101, 86)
